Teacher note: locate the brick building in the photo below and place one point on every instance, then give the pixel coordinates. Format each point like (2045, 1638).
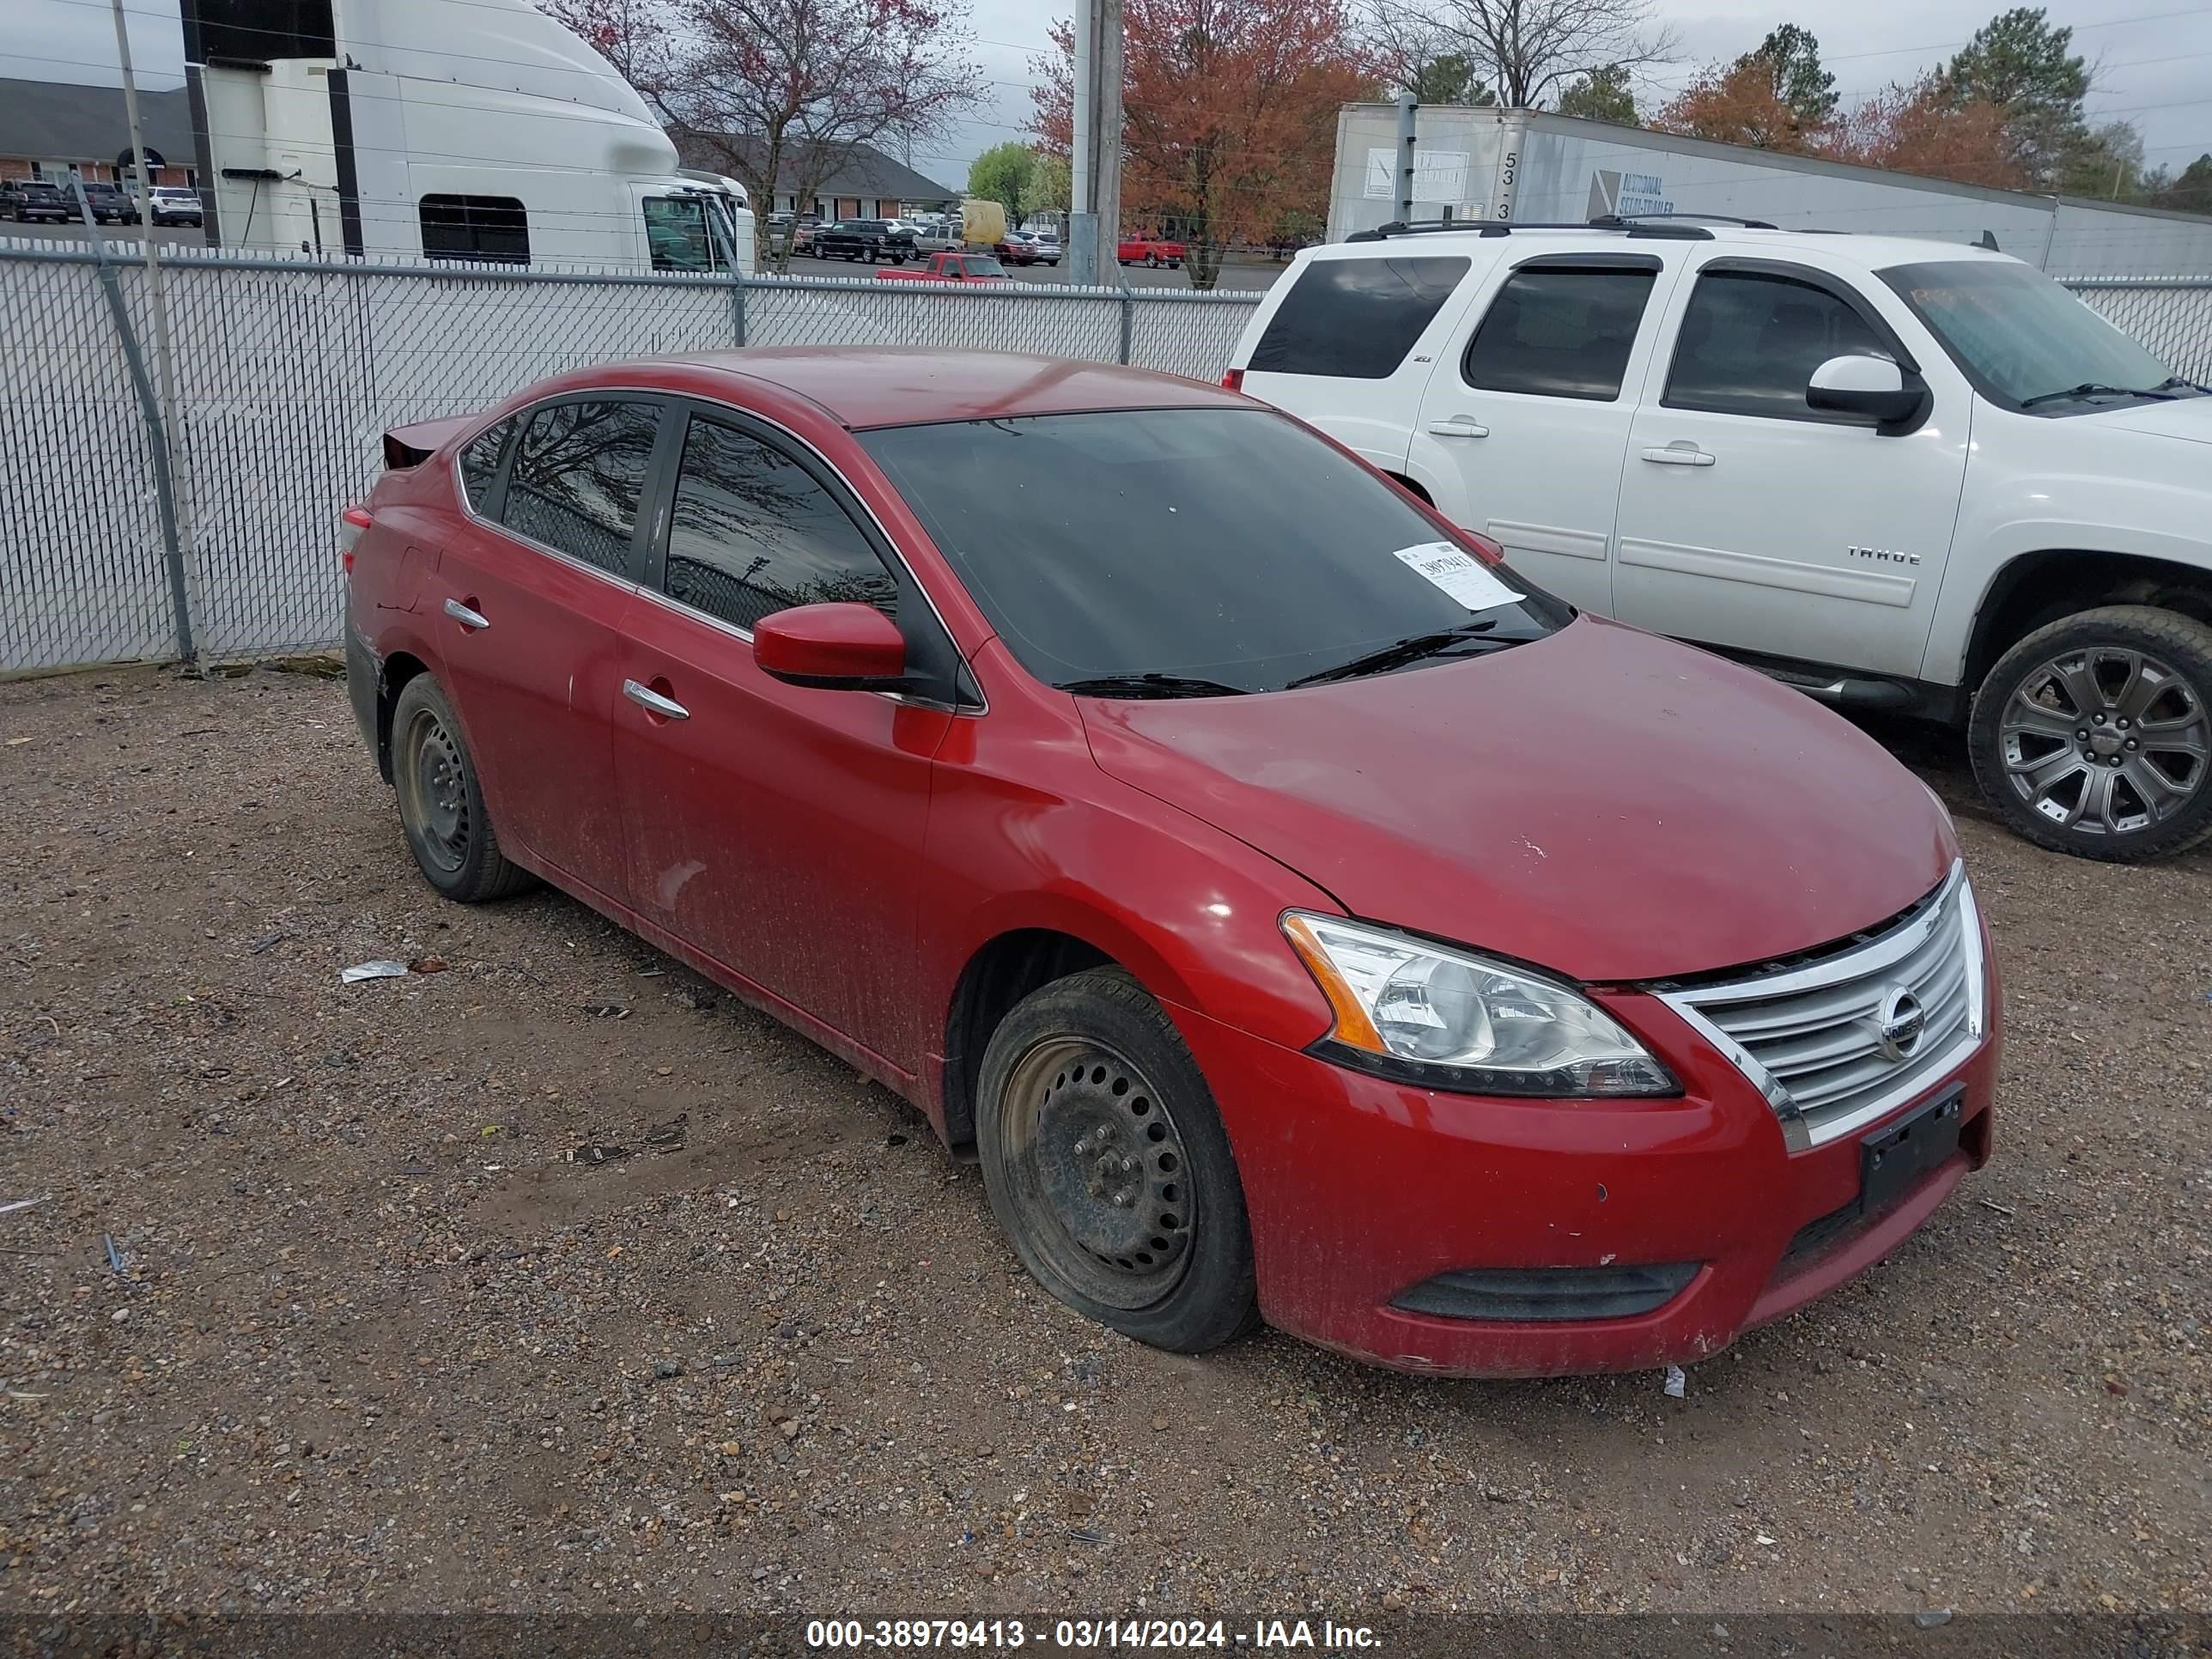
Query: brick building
(53, 132)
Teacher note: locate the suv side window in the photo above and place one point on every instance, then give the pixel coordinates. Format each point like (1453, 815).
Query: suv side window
(480, 461)
(751, 532)
(1750, 341)
(579, 471)
(1355, 319)
(1556, 331)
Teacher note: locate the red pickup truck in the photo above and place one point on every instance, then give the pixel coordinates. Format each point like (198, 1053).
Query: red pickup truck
(1154, 251)
(950, 268)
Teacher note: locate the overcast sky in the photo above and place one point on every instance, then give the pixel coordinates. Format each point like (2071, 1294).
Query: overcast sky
(2153, 56)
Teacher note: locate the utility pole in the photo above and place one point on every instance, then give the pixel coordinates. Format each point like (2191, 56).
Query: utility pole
(1106, 129)
(1407, 107)
(1094, 218)
(164, 358)
(1082, 223)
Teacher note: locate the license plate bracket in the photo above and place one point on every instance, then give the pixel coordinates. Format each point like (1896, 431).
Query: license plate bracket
(1895, 1160)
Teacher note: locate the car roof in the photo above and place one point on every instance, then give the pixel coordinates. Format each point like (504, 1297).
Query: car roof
(863, 386)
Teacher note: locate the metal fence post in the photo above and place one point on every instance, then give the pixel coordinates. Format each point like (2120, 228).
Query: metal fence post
(737, 300)
(157, 437)
(1128, 319)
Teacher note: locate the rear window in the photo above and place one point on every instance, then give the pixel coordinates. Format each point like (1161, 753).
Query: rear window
(1355, 319)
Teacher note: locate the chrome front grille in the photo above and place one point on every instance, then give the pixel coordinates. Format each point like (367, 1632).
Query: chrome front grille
(1826, 1039)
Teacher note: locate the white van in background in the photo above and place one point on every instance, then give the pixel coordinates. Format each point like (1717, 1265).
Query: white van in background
(419, 128)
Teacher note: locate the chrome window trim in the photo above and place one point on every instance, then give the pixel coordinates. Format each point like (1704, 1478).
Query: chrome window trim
(460, 489)
(1797, 1134)
(621, 584)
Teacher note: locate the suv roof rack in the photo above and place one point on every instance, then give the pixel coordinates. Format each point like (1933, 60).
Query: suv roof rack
(1493, 228)
(1609, 219)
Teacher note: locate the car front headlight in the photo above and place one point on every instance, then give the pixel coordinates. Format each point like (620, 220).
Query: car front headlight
(1427, 1013)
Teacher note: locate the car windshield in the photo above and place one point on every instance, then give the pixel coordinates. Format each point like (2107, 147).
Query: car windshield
(1189, 551)
(2022, 337)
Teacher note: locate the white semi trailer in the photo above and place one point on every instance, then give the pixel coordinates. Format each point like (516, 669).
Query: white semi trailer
(1532, 167)
(465, 129)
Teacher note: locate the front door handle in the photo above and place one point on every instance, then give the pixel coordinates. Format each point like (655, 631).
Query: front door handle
(1680, 454)
(653, 703)
(467, 618)
(1461, 427)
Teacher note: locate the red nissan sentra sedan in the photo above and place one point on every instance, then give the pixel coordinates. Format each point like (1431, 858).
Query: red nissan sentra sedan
(1303, 918)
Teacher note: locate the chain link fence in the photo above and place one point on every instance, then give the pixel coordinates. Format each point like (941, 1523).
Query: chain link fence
(2170, 315)
(289, 371)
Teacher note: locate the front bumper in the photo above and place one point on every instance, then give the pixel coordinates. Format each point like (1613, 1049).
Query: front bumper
(1358, 1188)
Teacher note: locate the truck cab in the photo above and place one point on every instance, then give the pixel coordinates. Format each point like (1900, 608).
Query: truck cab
(950, 268)
(417, 129)
(1897, 474)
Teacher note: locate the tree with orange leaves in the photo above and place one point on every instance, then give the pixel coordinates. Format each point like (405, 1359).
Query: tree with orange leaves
(1926, 128)
(1230, 114)
(1737, 104)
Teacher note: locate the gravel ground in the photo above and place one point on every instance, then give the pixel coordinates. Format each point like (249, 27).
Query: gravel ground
(382, 1340)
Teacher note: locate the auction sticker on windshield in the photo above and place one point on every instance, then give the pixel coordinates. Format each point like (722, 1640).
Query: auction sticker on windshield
(1458, 573)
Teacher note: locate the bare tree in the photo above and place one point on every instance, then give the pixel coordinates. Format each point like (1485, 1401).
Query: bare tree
(776, 93)
(1526, 50)
(630, 34)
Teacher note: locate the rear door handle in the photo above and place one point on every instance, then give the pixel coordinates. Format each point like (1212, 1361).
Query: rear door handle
(467, 618)
(1459, 429)
(1680, 455)
(653, 703)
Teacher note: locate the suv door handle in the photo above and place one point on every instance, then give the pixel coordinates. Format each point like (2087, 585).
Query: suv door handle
(1680, 454)
(1461, 427)
(653, 703)
(467, 618)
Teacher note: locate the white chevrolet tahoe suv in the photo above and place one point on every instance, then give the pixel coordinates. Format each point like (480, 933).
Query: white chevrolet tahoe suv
(1897, 474)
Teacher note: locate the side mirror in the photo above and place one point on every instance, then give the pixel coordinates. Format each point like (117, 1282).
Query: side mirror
(1873, 390)
(836, 647)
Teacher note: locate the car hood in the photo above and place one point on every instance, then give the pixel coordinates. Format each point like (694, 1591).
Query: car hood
(2180, 417)
(1603, 803)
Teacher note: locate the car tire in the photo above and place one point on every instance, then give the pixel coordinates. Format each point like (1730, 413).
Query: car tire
(1108, 1169)
(2092, 736)
(1153, 261)
(441, 805)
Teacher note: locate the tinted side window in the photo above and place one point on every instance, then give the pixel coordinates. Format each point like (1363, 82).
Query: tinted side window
(480, 461)
(578, 473)
(752, 533)
(1355, 318)
(1559, 333)
(494, 229)
(1749, 343)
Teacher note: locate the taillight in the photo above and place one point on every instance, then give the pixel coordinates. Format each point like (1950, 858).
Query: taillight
(351, 523)
(1233, 381)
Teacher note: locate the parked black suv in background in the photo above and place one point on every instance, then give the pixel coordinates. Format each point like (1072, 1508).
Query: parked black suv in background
(865, 239)
(26, 199)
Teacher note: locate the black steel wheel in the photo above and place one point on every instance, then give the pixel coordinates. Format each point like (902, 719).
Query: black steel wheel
(442, 807)
(2094, 735)
(1108, 1167)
